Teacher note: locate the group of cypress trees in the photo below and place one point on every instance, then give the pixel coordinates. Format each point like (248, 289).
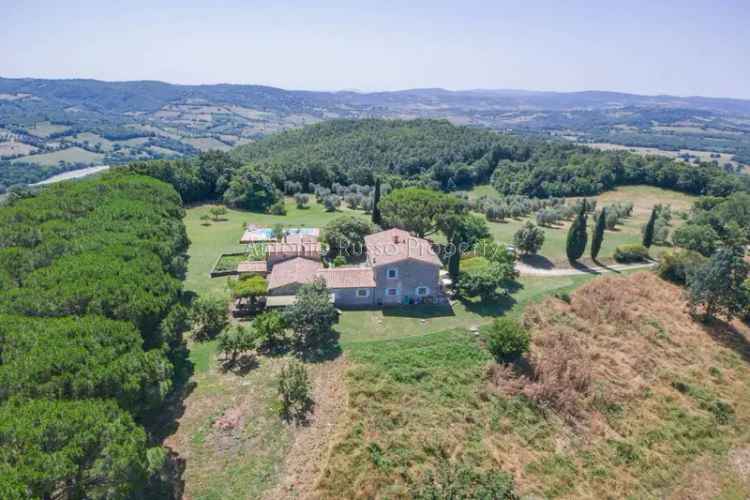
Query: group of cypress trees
(578, 237)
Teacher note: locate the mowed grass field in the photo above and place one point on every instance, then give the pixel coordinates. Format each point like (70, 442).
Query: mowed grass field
(208, 241)
(643, 197)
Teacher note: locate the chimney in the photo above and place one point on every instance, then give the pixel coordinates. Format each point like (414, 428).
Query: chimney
(395, 238)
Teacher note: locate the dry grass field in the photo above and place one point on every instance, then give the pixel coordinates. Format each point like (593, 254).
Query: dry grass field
(622, 396)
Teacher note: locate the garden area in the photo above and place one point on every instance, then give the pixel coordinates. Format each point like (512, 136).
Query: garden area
(628, 232)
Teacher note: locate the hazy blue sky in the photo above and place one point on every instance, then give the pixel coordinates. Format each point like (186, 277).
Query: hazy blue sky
(684, 47)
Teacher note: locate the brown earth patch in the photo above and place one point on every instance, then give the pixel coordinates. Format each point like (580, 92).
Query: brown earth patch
(311, 442)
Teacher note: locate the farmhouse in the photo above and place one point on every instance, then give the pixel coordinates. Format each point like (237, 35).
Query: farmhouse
(399, 269)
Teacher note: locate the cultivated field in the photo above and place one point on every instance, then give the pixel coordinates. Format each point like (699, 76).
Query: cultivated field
(69, 155)
(643, 198)
(703, 155)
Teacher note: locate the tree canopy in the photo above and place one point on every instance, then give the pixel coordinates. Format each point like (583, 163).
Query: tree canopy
(90, 334)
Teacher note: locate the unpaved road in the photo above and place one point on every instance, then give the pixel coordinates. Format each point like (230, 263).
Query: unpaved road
(527, 270)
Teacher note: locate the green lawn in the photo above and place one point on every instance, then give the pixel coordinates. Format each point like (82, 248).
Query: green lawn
(399, 322)
(208, 242)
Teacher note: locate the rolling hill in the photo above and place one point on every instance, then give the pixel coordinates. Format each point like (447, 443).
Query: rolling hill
(123, 121)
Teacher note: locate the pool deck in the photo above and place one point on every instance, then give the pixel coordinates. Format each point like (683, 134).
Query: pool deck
(257, 234)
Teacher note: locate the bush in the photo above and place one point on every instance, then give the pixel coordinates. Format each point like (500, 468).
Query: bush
(675, 265)
(238, 340)
(208, 317)
(529, 239)
(458, 481)
(626, 254)
(278, 208)
(301, 200)
(339, 261)
(294, 391)
(507, 340)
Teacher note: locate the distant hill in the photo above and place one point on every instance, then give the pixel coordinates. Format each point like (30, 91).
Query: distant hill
(52, 125)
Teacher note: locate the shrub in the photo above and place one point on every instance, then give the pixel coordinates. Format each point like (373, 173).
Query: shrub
(339, 261)
(270, 327)
(208, 317)
(675, 265)
(561, 376)
(529, 239)
(278, 208)
(294, 391)
(626, 254)
(236, 341)
(301, 200)
(458, 481)
(507, 340)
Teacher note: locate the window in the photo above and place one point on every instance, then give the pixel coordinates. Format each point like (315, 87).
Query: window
(392, 273)
(363, 292)
(422, 291)
(391, 291)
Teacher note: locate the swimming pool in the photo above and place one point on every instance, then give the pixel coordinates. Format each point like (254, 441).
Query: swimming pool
(266, 233)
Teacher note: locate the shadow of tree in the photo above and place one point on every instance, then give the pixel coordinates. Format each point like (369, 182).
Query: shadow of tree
(240, 366)
(326, 349)
(421, 311)
(728, 336)
(537, 261)
(497, 307)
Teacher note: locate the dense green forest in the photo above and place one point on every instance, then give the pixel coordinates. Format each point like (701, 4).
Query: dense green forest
(90, 336)
(424, 153)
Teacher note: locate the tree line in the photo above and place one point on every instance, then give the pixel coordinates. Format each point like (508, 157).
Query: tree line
(430, 154)
(91, 336)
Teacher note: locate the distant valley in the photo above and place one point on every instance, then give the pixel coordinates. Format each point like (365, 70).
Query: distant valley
(52, 126)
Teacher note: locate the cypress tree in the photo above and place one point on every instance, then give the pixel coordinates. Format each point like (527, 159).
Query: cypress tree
(577, 236)
(598, 237)
(376, 219)
(454, 265)
(648, 231)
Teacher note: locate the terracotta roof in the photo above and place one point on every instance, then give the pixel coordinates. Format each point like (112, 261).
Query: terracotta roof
(394, 245)
(348, 277)
(296, 270)
(252, 266)
(301, 238)
(309, 248)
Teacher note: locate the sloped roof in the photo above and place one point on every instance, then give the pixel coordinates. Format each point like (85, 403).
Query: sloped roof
(252, 266)
(348, 277)
(311, 248)
(297, 270)
(395, 245)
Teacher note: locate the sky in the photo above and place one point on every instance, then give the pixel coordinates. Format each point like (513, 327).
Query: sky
(683, 47)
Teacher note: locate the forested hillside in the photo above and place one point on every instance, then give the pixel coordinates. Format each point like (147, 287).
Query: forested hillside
(51, 125)
(355, 151)
(425, 153)
(90, 336)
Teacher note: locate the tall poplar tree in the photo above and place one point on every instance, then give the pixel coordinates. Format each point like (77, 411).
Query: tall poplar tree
(598, 237)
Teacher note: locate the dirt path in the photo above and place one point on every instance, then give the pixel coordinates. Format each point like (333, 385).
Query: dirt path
(527, 270)
(308, 454)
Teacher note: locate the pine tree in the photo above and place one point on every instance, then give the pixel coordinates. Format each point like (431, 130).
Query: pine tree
(376, 219)
(577, 236)
(598, 237)
(648, 231)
